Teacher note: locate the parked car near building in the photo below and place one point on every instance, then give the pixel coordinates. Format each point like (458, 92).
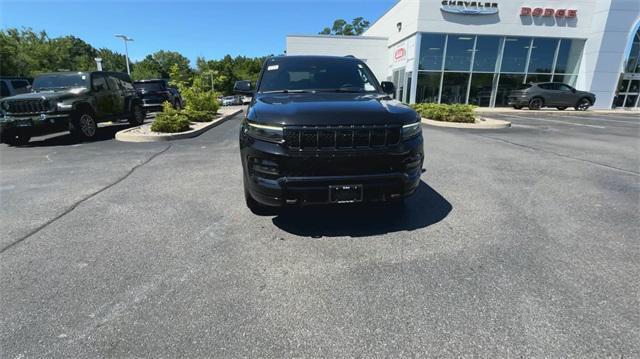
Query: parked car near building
(74, 101)
(322, 130)
(155, 92)
(11, 86)
(231, 100)
(550, 94)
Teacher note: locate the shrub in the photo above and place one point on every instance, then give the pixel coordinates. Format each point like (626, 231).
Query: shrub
(446, 113)
(170, 120)
(194, 93)
(199, 116)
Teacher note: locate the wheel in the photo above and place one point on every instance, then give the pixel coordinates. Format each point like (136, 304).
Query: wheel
(517, 107)
(178, 105)
(137, 115)
(84, 126)
(583, 104)
(561, 108)
(536, 103)
(17, 140)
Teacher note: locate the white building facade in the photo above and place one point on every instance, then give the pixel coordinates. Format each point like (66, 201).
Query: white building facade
(475, 52)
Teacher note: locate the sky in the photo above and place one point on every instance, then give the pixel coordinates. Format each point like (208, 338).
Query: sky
(210, 29)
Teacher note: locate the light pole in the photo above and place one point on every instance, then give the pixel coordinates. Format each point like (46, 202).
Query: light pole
(126, 49)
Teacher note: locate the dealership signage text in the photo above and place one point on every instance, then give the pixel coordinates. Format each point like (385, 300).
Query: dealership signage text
(538, 11)
(469, 7)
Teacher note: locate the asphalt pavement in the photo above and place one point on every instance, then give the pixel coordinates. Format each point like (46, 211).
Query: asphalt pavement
(520, 242)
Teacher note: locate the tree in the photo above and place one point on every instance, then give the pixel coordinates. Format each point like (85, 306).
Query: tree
(112, 61)
(342, 27)
(148, 68)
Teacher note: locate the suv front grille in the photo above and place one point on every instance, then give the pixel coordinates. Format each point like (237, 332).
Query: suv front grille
(28, 106)
(341, 137)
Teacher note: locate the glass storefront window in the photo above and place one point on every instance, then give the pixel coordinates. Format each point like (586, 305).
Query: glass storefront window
(487, 48)
(431, 50)
(454, 87)
(480, 90)
(567, 79)
(542, 54)
(514, 57)
(569, 56)
(538, 78)
(428, 87)
(459, 50)
(507, 83)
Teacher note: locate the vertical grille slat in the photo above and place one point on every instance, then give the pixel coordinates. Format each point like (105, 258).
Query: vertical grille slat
(341, 137)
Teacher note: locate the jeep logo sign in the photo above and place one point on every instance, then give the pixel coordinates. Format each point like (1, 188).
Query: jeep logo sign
(399, 53)
(469, 7)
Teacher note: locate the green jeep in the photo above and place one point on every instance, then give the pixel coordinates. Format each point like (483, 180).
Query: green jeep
(74, 101)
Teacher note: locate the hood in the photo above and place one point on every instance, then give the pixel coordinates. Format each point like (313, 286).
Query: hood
(47, 95)
(329, 109)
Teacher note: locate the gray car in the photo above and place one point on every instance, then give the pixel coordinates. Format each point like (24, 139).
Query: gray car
(550, 94)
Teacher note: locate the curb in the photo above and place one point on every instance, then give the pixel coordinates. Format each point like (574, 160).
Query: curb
(484, 123)
(127, 136)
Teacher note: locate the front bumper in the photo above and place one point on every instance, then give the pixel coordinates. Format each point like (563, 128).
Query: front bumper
(33, 125)
(305, 178)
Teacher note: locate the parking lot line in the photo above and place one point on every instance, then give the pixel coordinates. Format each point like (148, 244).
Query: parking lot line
(548, 120)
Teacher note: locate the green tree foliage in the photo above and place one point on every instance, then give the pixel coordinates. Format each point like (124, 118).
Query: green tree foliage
(148, 68)
(28, 53)
(342, 27)
(112, 61)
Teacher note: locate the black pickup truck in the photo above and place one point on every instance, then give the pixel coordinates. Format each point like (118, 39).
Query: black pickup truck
(321, 130)
(74, 101)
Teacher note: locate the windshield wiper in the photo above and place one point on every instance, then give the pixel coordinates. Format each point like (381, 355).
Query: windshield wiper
(290, 91)
(345, 89)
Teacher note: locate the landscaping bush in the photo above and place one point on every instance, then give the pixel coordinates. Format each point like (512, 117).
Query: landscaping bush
(170, 120)
(199, 116)
(446, 113)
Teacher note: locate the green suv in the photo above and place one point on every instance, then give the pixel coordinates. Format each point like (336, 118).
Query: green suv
(74, 101)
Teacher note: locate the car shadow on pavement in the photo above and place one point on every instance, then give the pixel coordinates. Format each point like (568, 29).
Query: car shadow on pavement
(424, 208)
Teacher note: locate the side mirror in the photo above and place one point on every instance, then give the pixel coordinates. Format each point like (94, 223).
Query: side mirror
(388, 87)
(573, 90)
(242, 87)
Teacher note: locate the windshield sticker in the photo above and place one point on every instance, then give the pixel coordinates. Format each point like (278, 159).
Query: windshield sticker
(273, 67)
(84, 77)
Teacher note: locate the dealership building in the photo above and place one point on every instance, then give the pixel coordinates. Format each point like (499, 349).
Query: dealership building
(476, 52)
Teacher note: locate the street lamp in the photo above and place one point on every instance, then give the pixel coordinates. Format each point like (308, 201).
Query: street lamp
(126, 49)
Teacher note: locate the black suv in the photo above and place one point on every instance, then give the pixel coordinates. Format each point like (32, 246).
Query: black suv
(321, 129)
(74, 101)
(550, 94)
(155, 92)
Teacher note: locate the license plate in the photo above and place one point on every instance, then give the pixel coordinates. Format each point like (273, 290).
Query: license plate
(345, 193)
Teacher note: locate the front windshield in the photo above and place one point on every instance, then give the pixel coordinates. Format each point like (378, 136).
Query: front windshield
(316, 74)
(60, 81)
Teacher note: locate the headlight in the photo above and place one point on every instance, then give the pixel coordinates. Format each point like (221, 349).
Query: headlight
(411, 130)
(268, 133)
(64, 106)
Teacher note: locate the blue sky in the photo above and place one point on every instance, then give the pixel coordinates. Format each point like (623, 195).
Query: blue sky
(197, 28)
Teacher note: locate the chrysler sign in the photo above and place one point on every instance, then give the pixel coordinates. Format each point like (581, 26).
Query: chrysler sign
(469, 7)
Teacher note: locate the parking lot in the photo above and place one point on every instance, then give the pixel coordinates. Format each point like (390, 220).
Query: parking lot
(519, 242)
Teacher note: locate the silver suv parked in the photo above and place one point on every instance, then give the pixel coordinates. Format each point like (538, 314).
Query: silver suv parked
(550, 94)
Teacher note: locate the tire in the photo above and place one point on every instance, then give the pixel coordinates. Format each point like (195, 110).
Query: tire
(561, 108)
(83, 126)
(178, 105)
(583, 104)
(536, 104)
(517, 107)
(255, 207)
(17, 140)
(137, 115)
